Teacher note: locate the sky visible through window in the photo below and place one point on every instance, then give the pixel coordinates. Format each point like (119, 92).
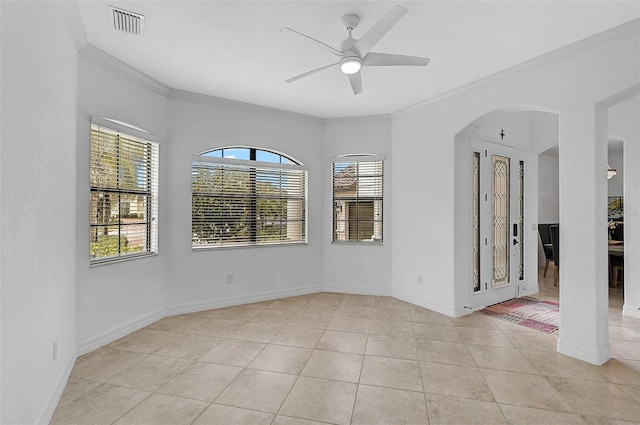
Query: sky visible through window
(244, 153)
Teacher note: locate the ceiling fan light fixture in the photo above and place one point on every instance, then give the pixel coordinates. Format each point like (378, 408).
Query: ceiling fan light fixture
(353, 54)
(350, 65)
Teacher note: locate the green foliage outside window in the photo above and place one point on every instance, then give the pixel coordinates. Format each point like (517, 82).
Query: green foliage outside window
(107, 246)
(221, 207)
(122, 173)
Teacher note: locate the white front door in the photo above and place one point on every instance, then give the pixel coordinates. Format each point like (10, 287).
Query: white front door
(495, 224)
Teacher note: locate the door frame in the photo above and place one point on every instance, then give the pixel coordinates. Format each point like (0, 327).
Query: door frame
(487, 294)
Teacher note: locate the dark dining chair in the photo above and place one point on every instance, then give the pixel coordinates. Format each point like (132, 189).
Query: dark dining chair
(554, 232)
(616, 263)
(545, 238)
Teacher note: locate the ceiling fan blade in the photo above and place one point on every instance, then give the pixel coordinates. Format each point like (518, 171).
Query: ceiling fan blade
(356, 82)
(306, 74)
(371, 37)
(316, 42)
(385, 59)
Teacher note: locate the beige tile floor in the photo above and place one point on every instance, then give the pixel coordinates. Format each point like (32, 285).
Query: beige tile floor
(347, 359)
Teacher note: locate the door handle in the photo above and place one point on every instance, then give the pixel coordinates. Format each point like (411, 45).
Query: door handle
(515, 229)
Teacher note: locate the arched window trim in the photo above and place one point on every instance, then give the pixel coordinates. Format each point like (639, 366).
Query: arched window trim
(360, 157)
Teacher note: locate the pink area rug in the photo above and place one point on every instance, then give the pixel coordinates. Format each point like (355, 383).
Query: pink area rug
(531, 312)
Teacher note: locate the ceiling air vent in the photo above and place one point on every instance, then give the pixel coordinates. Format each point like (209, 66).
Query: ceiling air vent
(123, 20)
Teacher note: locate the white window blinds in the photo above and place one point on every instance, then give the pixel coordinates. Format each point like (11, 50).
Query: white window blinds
(357, 199)
(123, 196)
(246, 202)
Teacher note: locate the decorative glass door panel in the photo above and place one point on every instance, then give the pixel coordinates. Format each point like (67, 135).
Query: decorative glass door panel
(495, 198)
(475, 226)
(520, 235)
(500, 198)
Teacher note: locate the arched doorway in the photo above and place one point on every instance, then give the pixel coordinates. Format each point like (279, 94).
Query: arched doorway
(497, 178)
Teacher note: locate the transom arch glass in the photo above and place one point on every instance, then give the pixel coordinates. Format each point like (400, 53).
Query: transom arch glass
(245, 153)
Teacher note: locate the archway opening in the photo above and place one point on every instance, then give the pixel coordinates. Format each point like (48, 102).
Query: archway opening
(511, 137)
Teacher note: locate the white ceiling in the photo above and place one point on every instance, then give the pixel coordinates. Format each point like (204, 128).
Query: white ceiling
(235, 49)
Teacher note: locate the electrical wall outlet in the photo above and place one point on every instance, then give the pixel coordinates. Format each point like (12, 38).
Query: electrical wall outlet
(419, 279)
(229, 279)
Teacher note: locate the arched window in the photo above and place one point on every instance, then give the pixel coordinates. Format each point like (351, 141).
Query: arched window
(245, 196)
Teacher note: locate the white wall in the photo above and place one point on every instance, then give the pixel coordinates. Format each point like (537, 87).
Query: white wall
(115, 299)
(197, 279)
(39, 99)
(548, 194)
(348, 267)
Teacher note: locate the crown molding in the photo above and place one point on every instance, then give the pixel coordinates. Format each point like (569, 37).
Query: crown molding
(71, 11)
(117, 65)
(627, 29)
(249, 107)
(360, 119)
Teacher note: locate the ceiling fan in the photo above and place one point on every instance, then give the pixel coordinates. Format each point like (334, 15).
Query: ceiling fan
(354, 54)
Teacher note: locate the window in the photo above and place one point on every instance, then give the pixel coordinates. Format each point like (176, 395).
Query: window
(357, 199)
(123, 196)
(247, 197)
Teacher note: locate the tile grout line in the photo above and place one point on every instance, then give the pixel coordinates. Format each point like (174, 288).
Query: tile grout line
(364, 354)
(424, 393)
(296, 381)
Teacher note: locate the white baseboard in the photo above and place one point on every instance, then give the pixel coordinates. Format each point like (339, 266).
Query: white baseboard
(596, 357)
(239, 300)
(356, 290)
(438, 308)
(54, 399)
(117, 332)
(631, 310)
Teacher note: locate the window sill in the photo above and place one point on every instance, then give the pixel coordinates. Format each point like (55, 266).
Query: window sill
(355, 243)
(225, 247)
(97, 263)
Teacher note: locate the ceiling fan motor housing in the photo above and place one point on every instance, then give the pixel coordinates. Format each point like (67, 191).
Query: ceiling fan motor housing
(350, 21)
